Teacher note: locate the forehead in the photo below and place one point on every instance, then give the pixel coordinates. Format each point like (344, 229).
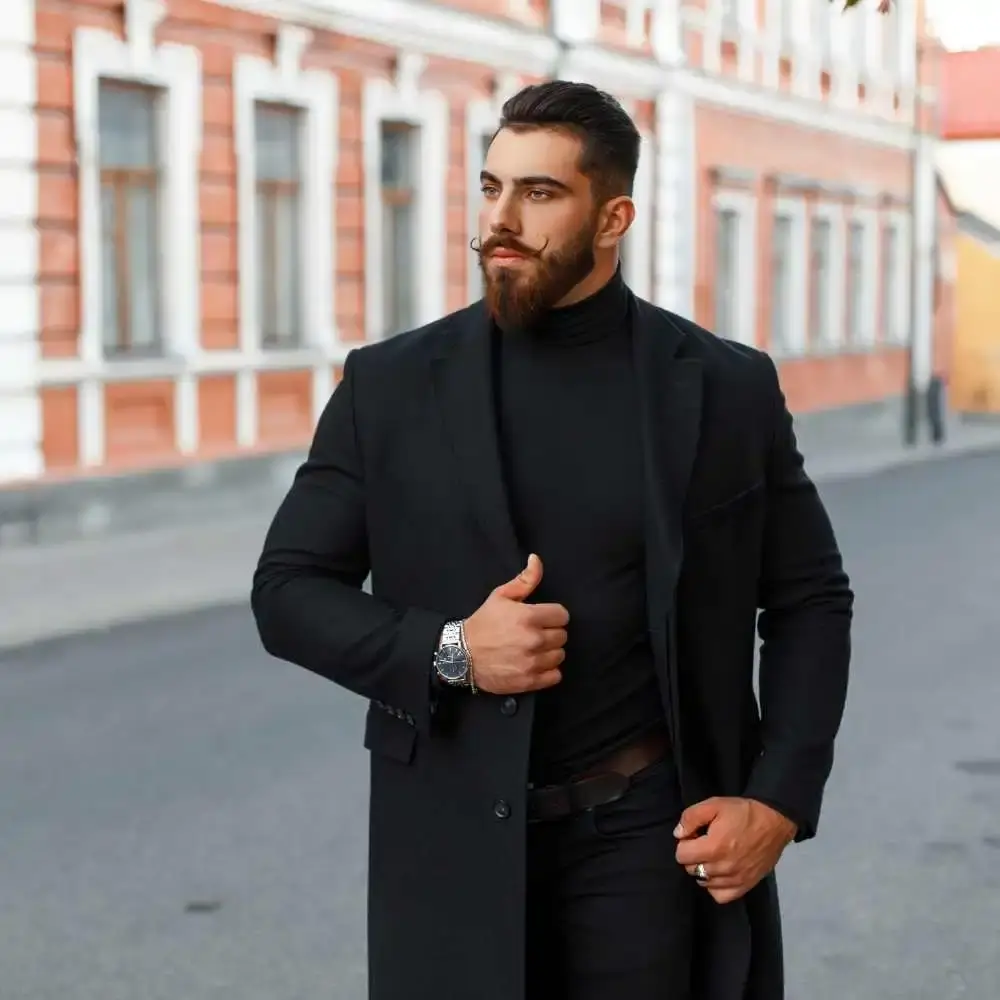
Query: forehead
(539, 152)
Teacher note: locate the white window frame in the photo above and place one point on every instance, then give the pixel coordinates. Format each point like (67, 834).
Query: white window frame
(315, 95)
(639, 240)
(402, 100)
(744, 204)
(481, 120)
(867, 336)
(834, 215)
(174, 70)
(797, 320)
(897, 331)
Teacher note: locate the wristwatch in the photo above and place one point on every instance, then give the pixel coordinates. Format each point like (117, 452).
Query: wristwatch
(452, 661)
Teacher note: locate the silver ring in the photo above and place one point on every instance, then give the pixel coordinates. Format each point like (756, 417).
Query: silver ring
(700, 873)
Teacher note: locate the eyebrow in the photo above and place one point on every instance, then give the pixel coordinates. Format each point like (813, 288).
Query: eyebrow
(533, 180)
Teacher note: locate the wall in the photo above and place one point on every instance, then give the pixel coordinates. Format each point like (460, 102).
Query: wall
(766, 108)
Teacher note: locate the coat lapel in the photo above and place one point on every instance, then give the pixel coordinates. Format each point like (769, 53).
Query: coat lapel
(670, 415)
(463, 383)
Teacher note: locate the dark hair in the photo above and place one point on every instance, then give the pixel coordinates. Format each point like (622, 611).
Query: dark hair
(610, 140)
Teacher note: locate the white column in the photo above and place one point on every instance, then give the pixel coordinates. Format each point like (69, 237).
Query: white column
(20, 403)
(676, 196)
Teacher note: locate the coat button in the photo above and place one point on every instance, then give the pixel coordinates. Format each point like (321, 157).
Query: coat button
(501, 809)
(509, 706)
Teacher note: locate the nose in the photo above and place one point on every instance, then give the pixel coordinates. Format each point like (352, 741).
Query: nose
(503, 216)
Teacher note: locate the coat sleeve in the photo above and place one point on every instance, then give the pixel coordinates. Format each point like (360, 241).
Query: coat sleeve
(805, 626)
(307, 596)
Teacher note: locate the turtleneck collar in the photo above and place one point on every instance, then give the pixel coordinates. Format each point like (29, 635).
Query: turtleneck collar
(600, 315)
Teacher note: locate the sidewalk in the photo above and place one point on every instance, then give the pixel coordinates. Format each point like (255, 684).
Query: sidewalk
(47, 591)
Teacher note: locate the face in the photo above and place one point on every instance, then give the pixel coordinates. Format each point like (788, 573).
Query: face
(542, 231)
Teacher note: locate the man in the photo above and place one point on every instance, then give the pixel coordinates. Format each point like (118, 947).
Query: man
(571, 504)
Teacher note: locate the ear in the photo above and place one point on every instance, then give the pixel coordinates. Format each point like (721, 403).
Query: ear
(616, 217)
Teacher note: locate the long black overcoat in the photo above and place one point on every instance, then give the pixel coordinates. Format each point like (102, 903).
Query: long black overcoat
(403, 481)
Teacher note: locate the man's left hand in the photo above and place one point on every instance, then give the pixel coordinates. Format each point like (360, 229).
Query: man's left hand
(742, 843)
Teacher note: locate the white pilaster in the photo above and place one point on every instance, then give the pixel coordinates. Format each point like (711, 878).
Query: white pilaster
(676, 201)
(20, 404)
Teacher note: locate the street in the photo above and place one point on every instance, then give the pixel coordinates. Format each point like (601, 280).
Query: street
(183, 817)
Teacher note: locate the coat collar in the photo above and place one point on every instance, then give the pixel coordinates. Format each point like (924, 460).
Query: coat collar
(669, 387)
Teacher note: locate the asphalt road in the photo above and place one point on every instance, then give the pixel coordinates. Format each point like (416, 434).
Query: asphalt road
(181, 817)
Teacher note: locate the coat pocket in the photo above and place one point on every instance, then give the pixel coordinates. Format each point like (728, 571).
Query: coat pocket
(389, 736)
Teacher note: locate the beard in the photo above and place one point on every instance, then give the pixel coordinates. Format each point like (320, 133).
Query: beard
(519, 297)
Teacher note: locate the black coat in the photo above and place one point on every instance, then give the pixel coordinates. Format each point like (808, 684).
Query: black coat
(403, 480)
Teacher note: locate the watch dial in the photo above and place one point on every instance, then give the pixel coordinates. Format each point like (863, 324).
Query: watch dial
(451, 663)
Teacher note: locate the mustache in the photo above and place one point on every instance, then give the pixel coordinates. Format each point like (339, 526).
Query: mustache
(503, 243)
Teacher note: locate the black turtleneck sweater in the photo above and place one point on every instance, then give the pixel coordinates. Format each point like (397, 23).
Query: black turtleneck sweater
(570, 445)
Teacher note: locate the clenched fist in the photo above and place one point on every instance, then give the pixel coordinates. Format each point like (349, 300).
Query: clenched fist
(517, 647)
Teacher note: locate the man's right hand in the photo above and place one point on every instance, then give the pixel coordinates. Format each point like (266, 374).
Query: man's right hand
(517, 647)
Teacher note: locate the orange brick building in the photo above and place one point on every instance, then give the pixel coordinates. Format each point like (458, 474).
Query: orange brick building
(205, 205)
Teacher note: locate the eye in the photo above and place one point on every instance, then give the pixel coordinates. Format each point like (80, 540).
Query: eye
(489, 190)
(537, 194)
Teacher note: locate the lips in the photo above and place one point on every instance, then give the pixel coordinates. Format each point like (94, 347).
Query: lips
(503, 253)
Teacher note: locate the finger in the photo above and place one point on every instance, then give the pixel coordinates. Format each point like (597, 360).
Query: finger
(699, 850)
(695, 817)
(551, 659)
(554, 638)
(545, 680)
(716, 873)
(547, 616)
(524, 584)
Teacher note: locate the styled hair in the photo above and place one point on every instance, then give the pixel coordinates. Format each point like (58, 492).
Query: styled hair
(610, 141)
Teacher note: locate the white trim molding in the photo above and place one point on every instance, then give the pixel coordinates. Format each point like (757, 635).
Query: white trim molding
(796, 321)
(402, 100)
(481, 119)
(20, 404)
(174, 70)
(640, 239)
(744, 205)
(834, 339)
(438, 30)
(897, 325)
(315, 94)
(867, 336)
(676, 201)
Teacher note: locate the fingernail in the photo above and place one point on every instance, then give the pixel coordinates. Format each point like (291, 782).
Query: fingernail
(678, 830)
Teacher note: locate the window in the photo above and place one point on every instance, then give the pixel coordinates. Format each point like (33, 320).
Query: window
(129, 219)
(781, 284)
(277, 132)
(727, 262)
(399, 144)
(888, 306)
(855, 282)
(821, 272)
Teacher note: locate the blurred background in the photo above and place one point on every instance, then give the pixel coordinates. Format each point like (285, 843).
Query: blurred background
(205, 205)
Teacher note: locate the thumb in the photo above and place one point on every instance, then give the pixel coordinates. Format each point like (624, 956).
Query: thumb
(522, 586)
(695, 817)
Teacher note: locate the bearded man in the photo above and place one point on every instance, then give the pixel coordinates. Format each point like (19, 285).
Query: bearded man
(572, 505)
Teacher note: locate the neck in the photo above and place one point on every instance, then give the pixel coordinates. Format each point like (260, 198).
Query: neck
(602, 313)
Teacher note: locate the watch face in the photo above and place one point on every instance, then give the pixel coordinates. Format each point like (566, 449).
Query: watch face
(451, 663)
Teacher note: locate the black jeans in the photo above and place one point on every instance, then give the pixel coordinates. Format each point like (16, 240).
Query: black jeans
(610, 911)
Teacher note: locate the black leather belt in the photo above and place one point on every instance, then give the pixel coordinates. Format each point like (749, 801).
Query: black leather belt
(604, 783)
